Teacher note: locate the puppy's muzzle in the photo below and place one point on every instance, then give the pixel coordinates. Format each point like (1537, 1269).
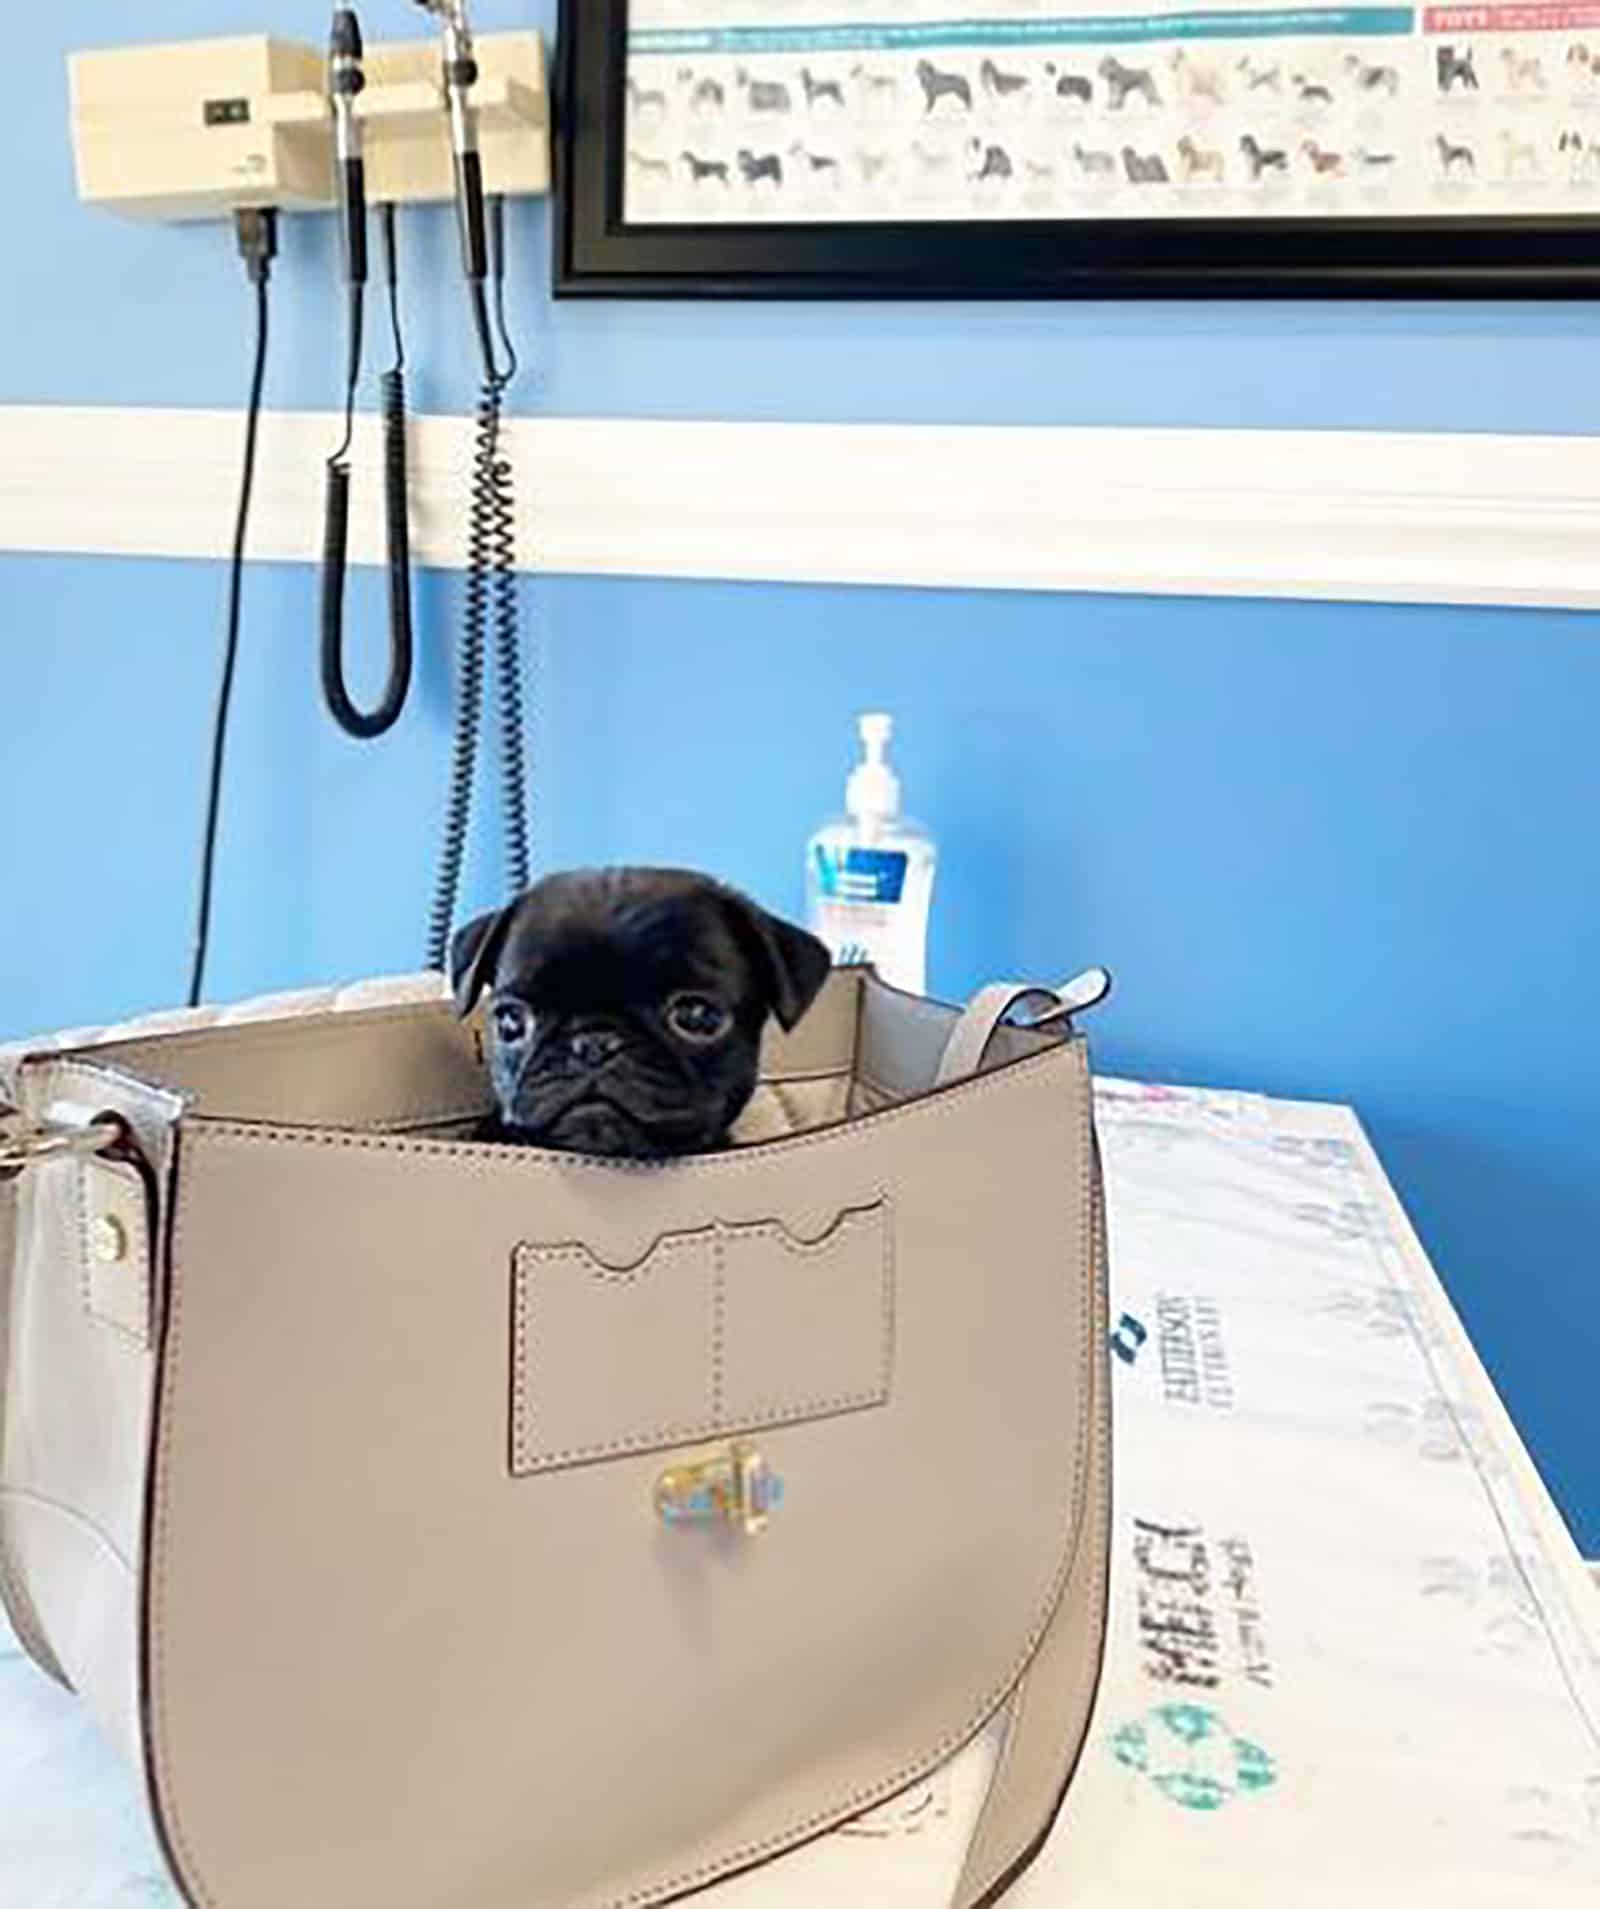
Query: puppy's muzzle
(592, 1047)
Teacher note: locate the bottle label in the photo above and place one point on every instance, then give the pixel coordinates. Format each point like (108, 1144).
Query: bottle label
(874, 877)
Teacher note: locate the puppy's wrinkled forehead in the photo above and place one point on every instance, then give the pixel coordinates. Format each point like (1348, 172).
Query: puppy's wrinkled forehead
(585, 943)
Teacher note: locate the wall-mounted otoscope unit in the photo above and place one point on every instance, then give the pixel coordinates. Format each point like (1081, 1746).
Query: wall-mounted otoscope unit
(201, 129)
(252, 128)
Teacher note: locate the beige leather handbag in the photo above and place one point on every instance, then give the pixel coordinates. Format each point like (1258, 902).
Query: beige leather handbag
(444, 1526)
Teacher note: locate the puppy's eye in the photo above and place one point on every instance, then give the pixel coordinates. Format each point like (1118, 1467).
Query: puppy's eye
(512, 1022)
(697, 1017)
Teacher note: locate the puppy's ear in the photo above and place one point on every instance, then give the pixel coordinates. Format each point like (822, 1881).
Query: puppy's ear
(790, 963)
(473, 955)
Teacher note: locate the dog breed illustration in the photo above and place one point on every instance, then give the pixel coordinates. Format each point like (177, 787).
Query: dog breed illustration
(1125, 82)
(648, 167)
(1454, 68)
(994, 162)
(881, 89)
(929, 159)
(1040, 171)
(818, 91)
(874, 166)
(1325, 164)
(1144, 169)
(1312, 92)
(754, 167)
(1262, 159)
(937, 85)
(1524, 71)
(1519, 158)
(703, 171)
(1583, 160)
(646, 99)
(765, 96)
(1372, 78)
(1453, 159)
(1199, 81)
(1094, 164)
(999, 84)
(706, 95)
(1370, 161)
(1260, 79)
(1199, 162)
(821, 165)
(1072, 86)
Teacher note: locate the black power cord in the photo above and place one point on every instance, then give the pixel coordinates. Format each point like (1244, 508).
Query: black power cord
(257, 235)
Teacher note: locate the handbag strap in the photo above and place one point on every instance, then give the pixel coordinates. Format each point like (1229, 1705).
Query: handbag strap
(13, 1600)
(1047, 1716)
(10, 1180)
(990, 1008)
(8, 1236)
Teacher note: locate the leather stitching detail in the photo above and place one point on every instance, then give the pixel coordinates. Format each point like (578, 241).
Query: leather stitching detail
(1094, 1527)
(719, 1311)
(528, 1460)
(166, 1787)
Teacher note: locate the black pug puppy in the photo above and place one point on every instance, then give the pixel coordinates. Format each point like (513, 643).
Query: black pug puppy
(627, 1007)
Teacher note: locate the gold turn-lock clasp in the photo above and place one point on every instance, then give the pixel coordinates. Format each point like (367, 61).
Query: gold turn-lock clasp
(734, 1487)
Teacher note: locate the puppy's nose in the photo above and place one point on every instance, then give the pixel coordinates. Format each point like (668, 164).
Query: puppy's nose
(592, 1047)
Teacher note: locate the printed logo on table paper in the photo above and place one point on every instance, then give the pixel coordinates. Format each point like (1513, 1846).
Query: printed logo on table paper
(1195, 1368)
(1128, 1338)
(1190, 1755)
(1200, 1626)
(1199, 1610)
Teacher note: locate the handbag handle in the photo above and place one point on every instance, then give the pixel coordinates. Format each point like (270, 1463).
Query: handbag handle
(990, 1008)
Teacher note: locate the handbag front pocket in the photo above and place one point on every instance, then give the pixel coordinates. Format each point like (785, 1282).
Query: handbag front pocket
(723, 1329)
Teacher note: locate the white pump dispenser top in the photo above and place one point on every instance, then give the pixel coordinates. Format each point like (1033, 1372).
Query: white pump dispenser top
(873, 792)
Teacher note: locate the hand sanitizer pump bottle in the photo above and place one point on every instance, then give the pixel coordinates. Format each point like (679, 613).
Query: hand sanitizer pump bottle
(869, 874)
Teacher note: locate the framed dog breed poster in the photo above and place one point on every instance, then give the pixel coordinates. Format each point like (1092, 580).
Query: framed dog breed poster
(1038, 148)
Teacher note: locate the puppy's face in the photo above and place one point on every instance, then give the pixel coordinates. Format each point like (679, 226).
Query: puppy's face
(626, 1007)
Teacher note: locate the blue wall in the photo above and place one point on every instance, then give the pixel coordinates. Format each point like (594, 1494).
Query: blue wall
(1335, 852)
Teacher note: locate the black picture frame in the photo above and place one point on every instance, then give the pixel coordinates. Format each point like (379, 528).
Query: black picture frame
(599, 255)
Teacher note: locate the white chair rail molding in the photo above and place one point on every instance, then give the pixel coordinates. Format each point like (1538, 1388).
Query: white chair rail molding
(1353, 516)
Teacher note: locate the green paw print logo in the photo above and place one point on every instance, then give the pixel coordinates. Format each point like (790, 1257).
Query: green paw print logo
(1193, 1758)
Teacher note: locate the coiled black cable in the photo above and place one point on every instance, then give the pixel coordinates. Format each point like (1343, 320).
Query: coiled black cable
(491, 604)
(501, 514)
(458, 812)
(365, 725)
(396, 476)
